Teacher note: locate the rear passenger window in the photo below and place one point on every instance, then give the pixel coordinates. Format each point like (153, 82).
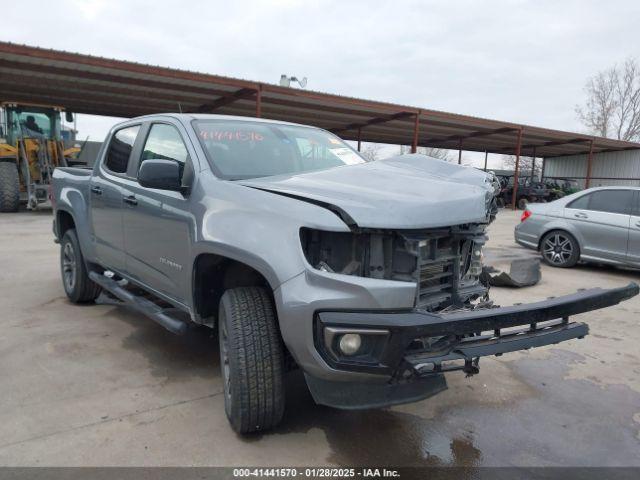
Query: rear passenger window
(120, 149)
(610, 201)
(581, 203)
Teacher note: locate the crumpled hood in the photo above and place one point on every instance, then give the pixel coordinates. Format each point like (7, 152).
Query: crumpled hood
(404, 192)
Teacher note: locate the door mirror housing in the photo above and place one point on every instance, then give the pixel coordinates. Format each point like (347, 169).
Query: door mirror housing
(161, 174)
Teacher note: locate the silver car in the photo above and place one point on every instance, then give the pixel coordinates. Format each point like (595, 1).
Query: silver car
(596, 225)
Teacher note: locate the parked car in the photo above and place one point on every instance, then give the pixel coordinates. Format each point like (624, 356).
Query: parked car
(595, 225)
(366, 275)
(529, 190)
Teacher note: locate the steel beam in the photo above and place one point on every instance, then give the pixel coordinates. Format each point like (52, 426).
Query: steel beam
(259, 102)
(486, 156)
(226, 100)
(460, 151)
(373, 121)
(533, 163)
(416, 128)
(476, 134)
(555, 143)
(515, 172)
(587, 181)
(359, 138)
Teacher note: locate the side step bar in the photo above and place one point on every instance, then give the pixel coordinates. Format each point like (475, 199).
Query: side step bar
(140, 304)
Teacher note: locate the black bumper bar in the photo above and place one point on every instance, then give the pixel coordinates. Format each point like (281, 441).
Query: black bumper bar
(463, 332)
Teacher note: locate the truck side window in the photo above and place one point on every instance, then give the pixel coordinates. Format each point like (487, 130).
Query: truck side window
(120, 149)
(164, 142)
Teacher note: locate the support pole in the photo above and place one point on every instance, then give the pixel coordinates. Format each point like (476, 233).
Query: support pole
(460, 152)
(544, 164)
(359, 138)
(587, 180)
(416, 127)
(259, 102)
(533, 164)
(514, 195)
(486, 155)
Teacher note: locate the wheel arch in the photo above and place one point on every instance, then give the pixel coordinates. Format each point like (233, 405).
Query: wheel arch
(214, 273)
(564, 227)
(64, 222)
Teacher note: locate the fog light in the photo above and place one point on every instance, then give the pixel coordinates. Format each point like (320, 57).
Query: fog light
(350, 343)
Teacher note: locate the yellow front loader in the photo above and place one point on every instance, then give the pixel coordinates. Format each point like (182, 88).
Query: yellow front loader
(31, 146)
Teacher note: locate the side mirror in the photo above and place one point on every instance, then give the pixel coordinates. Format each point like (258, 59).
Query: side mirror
(161, 174)
(68, 117)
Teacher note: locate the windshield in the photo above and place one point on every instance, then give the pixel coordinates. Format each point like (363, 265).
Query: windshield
(242, 149)
(32, 122)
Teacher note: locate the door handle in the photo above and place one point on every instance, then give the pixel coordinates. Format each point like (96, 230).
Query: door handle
(131, 200)
(637, 224)
(97, 190)
(581, 215)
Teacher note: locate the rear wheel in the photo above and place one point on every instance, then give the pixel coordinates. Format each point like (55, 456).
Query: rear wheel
(251, 359)
(9, 187)
(560, 249)
(75, 278)
(522, 203)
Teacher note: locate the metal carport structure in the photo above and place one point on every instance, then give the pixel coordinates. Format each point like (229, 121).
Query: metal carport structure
(101, 86)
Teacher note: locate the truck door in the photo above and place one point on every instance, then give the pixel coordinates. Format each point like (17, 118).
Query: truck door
(158, 225)
(106, 199)
(633, 250)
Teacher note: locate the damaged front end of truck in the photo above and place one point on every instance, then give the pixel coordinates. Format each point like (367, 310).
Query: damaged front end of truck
(452, 322)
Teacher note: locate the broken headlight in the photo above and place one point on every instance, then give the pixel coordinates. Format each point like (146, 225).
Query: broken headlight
(385, 255)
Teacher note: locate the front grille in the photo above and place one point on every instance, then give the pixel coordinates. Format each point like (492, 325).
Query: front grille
(442, 262)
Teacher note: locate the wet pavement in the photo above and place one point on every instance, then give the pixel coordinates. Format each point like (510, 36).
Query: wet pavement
(99, 385)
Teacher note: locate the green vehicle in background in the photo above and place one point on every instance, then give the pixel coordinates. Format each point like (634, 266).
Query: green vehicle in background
(560, 187)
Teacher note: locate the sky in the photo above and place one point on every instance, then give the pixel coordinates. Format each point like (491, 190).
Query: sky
(514, 60)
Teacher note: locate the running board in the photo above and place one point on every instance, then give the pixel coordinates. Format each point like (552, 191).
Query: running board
(140, 304)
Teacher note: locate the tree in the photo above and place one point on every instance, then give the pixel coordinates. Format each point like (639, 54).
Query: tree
(439, 153)
(612, 108)
(371, 151)
(524, 168)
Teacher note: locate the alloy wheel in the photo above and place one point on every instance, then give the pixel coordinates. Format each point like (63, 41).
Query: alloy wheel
(69, 267)
(557, 249)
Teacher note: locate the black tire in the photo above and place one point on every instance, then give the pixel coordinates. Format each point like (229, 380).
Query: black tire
(559, 249)
(9, 187)
(75, 279)
(522, 203)
(251, 360)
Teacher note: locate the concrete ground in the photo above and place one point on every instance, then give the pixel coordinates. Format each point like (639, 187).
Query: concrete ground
(98, 385)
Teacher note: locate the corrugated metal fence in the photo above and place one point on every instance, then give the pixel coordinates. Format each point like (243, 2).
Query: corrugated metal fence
(609, 168)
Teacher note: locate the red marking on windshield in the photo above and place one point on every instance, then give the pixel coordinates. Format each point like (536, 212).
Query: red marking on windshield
(231, 135)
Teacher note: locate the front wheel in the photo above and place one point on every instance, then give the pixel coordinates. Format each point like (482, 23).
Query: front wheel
(560, 249)
(251, 359)
(75, 279)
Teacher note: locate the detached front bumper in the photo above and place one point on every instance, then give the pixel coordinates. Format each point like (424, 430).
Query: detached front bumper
(414, 348)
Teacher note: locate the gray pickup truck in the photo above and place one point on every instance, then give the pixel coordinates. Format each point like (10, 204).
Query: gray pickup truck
(365, 275)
